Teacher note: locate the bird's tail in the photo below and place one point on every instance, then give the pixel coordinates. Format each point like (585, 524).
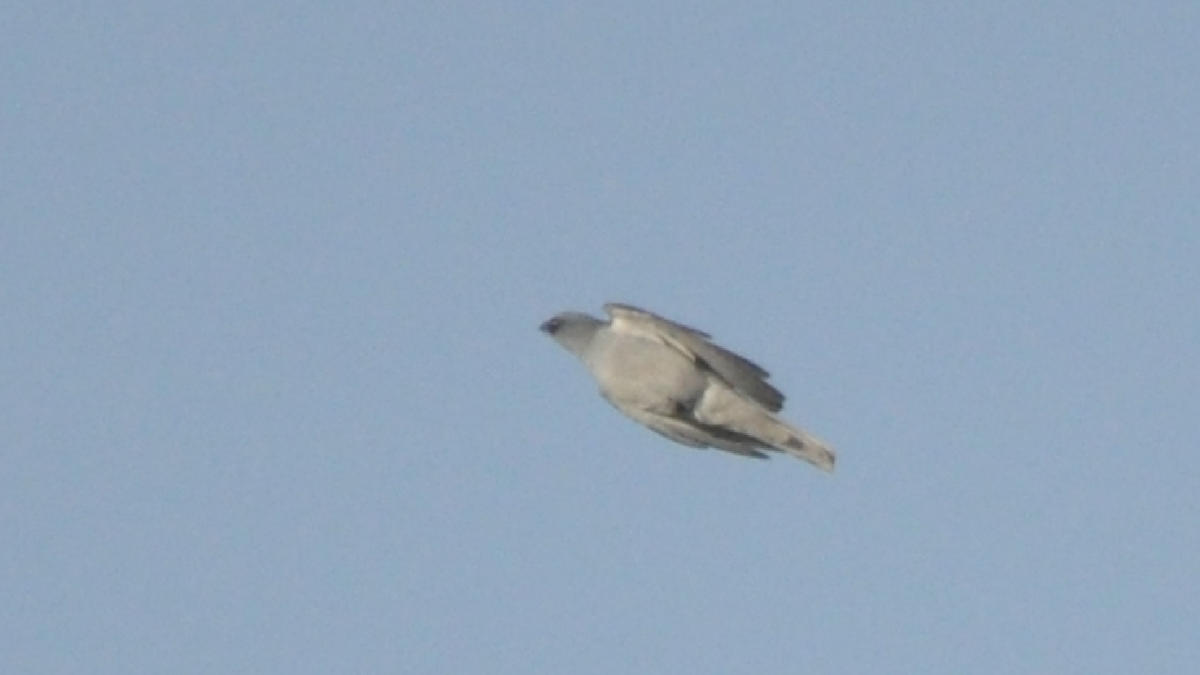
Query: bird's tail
(725, 408)
(810, 449)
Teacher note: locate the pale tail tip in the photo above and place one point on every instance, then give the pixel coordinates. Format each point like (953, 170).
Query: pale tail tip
(816, 454)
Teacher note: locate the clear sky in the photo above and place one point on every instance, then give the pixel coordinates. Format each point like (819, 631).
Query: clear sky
(273, 399)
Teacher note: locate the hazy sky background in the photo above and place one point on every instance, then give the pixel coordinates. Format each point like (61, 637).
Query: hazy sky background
(273, 399)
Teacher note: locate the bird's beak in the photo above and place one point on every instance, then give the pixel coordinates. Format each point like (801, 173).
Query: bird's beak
(545, 327)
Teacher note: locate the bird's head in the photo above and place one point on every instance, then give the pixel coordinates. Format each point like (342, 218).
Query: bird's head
(572, 330)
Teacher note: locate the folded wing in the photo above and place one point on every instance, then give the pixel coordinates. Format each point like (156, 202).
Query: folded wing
(741, 373)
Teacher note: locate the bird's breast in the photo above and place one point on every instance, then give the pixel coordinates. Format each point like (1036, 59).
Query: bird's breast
(647, 373)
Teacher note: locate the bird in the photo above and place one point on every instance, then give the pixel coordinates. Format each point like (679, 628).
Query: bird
(674, 380)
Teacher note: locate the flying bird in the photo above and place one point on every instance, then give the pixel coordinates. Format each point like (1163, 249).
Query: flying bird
(672, 379)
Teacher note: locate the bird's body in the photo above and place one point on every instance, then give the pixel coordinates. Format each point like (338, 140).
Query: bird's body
(673, 380)
(617, 361)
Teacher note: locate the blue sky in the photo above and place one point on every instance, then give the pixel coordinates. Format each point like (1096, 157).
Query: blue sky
(274, 401)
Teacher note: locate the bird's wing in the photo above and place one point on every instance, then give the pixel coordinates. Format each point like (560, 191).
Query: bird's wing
(741, 373)
(690, 432)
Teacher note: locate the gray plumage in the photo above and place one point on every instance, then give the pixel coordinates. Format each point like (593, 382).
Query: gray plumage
(672, 379)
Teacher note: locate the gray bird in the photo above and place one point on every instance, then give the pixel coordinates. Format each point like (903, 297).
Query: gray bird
(673, 380)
